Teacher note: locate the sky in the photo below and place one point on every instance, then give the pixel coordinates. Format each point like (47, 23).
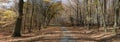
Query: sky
(11, 3)
(7, 5)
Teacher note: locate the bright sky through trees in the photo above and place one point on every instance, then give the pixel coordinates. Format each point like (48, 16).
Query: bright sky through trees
(11, 2)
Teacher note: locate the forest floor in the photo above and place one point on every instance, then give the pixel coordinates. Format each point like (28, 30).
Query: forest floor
(62, 34)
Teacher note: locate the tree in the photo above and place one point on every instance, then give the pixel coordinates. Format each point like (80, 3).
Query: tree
(18, 25)
(116, 9)
(50, 11)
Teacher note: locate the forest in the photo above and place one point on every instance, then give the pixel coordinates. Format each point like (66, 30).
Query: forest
(59, 20)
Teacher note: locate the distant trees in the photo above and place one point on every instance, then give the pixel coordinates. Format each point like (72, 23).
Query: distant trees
(91, 13)
(51, 11)
(35, 14)
(39, 13)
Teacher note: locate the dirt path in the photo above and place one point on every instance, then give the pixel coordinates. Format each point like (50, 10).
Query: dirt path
(67, 34)
(65, 37)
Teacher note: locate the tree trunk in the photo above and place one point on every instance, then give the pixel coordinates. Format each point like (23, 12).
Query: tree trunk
(116, 9)
(18, 25)
(104, 13)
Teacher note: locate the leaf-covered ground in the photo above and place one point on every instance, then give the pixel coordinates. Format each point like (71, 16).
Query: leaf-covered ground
(54, 34)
